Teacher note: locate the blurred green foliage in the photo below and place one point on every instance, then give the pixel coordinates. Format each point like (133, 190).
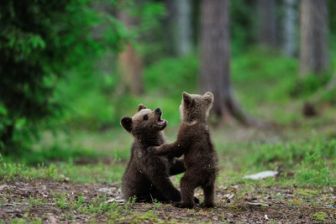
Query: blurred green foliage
(51, 73)
(242, 26)
(171, 74)
(306, 86)
(293, 153)
(332, 21)
(89, 94)
(39, 42)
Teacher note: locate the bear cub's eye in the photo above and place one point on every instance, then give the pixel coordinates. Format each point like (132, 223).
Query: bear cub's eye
(145, 117)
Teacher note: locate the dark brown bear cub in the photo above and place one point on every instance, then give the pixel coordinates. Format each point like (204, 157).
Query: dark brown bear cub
(194, 142)
(147, 175)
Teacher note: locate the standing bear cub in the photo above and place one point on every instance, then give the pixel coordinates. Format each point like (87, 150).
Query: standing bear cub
(146, 177)
(193, 141)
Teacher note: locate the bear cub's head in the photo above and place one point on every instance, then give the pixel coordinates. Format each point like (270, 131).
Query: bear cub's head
(145, 121)
(196, 108)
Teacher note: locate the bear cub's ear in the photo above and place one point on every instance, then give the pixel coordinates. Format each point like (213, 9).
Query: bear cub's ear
(141, 106)
(209, 97)
(187, 99)
(126, 122)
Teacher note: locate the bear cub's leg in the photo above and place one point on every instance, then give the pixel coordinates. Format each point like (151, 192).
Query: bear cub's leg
(165, 186)
(209, 195)
(188, 185)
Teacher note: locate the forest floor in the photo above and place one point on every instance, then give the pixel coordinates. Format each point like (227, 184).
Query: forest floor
(86, 191)
(60, 202)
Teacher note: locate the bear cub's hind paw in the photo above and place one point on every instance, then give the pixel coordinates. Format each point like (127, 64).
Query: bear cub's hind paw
(183, 205)
(207, 205)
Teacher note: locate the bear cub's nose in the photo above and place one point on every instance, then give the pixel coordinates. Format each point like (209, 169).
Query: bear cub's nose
(158, 111)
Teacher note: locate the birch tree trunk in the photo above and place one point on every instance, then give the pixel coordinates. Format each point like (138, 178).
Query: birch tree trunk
(183, 28)
(180, 26)
(289, 28)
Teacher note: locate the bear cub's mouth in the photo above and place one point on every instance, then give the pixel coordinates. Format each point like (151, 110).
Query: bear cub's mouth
(161, 122)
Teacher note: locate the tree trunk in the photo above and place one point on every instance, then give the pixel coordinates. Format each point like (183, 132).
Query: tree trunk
(215, 59)
(170, 25)
(289, 27)
(313, 31)
(130, 63)
(180, 26)
(183, 28)
(266, 23)
(130, 67)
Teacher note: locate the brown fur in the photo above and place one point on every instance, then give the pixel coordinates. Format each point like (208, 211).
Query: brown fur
(147, 175)
(193, 141)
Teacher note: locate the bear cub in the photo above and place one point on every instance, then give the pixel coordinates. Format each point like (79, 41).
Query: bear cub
(193, 141)
(147, 175)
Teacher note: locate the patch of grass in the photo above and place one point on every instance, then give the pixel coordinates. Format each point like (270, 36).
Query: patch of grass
(58, 154)
(114, 216)
(11, 171)
(320, 217)
(35, 201)
(307, 160)
(146, 217)
(306, 192)
(96, 206)
(99, 205)
(296, 201)
(314, 170)
(62, 201)
(114, 144)
(94, 173)
(291, 154)
(62, 172)
(79, 201)
(26, 220)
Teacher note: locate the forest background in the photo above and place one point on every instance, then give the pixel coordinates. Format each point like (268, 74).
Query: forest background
(69, 70)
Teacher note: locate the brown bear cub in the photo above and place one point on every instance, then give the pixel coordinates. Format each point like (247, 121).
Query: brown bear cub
(193, 141)
(146, 177)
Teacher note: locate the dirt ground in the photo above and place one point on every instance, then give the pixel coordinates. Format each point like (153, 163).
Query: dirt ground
(63, 202)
